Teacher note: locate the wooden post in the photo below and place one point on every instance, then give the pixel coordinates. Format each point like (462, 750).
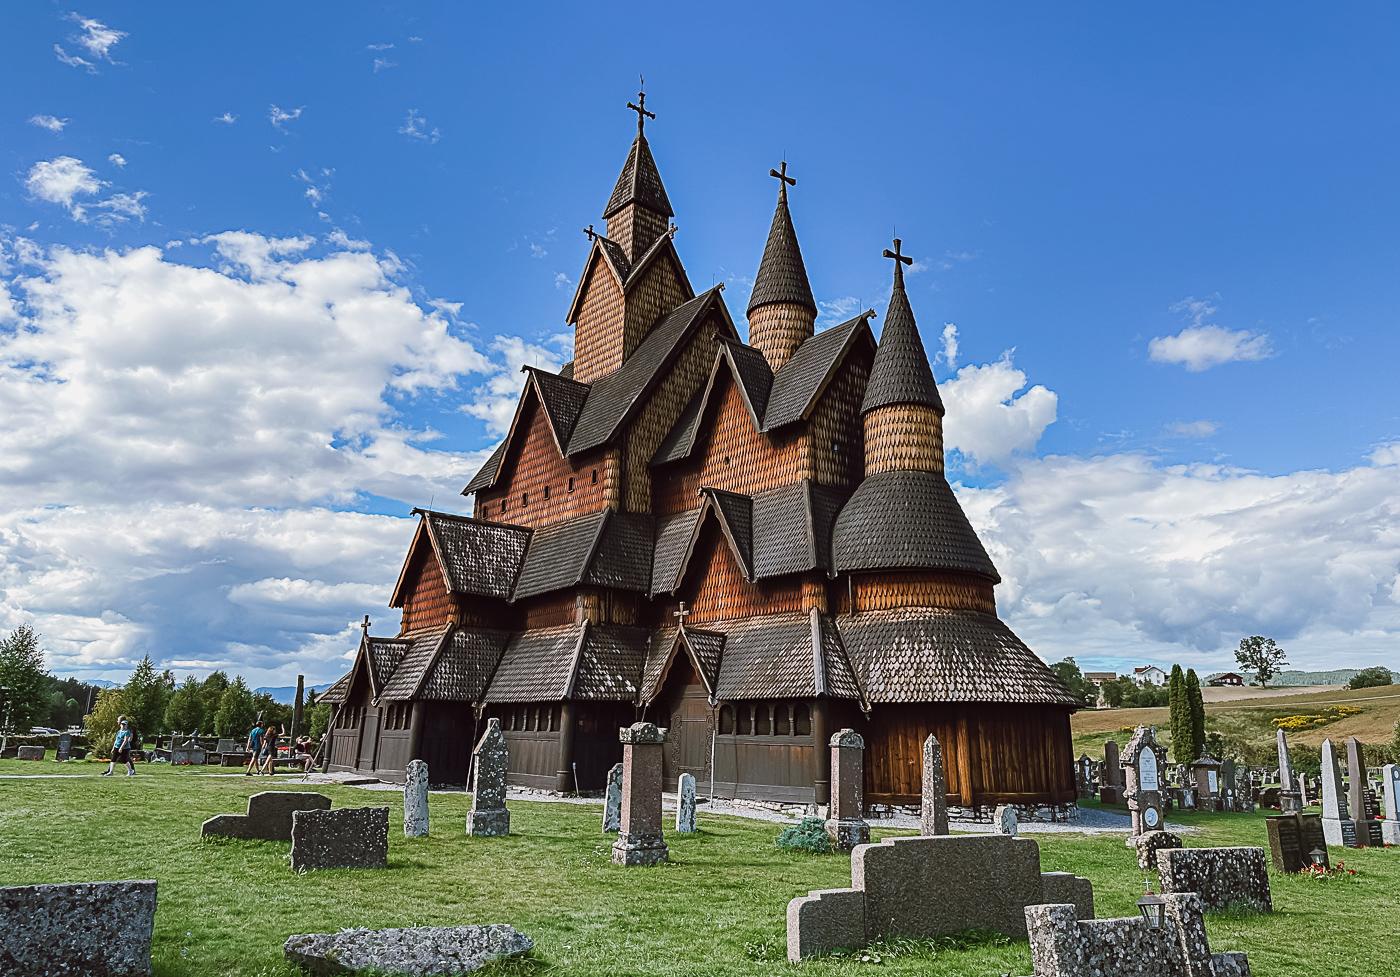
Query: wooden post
(821, 781)
(564, 774)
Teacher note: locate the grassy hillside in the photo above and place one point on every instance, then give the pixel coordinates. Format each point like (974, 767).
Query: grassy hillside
(1249, 726)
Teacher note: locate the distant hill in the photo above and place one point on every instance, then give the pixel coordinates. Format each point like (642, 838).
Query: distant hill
(1337, 676)
(286, 694)
(101, 683)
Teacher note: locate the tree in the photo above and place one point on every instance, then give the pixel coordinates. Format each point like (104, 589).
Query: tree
(185, 711)
(1371, 678)
(1068, 673)
(271, 710)
(1196, 710)
(22, 674)
(1180, 717)
(236, 710)
(1116, 691)
(102, 721)
(1261, 656)
(146, 696)
(319, 719)
(212, 691)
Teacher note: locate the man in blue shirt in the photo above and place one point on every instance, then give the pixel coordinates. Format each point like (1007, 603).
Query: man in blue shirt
(254, 746)
(121, 749)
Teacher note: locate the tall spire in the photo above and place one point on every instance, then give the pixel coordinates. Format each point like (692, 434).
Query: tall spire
(638, 212)
(901, 373)
(782, 277)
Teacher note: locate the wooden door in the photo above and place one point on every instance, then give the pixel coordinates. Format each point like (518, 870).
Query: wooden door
(688, 743)
(369, 738)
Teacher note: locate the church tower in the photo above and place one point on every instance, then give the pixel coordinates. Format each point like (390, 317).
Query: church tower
(638, 212)
(902, 411)
(781, 311)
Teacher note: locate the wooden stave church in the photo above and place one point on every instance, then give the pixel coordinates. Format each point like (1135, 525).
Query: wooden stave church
(752, 544)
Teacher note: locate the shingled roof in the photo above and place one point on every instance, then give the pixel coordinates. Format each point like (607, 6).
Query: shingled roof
(782, 277)
(792, 528)
(338, 690)
(609, 667)
(901, 373)
(907, 520)
(639, 182)
(702, 648)
(408, 675)
(800, 380)
(602, 549)
(599, 663)
(486, 474)
(672, 543)
(463, 665)
(380, 657)
(562, 399)
(475, 556)
(748, 369)
(626, 273)
(939, 655)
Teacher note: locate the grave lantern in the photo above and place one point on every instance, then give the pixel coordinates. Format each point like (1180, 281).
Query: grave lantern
(1318, 857)
(1152, 907)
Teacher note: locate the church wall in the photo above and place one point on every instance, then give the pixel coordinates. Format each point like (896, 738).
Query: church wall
(634, 229)
(903, 437)
(538, 485)
(715, 588)
(685, 378)
(427, 604)
(656, 294)
(598, 331)
(881, 591)
(834, 445)
(549, 610)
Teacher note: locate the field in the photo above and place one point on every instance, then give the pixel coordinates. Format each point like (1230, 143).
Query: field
(226, 907)
(1251, 719)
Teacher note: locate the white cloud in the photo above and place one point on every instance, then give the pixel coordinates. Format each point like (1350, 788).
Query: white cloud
(96, 38)
(279, 117)
(117, 160)
(228, 118)
(494, 401)
(379, 47)
(415, 126)
(1193, 429)
(562, 280)
(49, 122)
(317, 186)
(61, 181)
(1386, 454)
(949, 353)
(839, 309)
(1202, 344)
(537, 250)
(345, 242)
(72, 60)
(987, 422)
(384, 64)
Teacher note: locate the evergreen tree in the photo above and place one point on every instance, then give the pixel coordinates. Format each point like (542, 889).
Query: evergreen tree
(22, 674)
(1197, 712)
(185, 711)
(145, 697)
(1179, 717)
(212, 690)
(236, 710)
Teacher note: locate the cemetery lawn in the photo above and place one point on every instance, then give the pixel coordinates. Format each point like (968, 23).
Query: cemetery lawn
(225, 907)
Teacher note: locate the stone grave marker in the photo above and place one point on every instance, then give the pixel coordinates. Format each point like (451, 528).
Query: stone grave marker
(1111, 783)
(685, 804)
(639, 839)
(1289, 799)
(418, 951)
(348, 837)
(1141, 764)
(65, 747)
(846, 825)
(612, 801)
(1223, 876)
(29, 753)
(1227, 785)
(1149, 843)
(1004, 820)
(1084, 771)
(415, 800)
(933, 811)
(1337, 825)
(88, 929)
(1390, 784)
(1206, 774)
(1292, 839)
(269, 816)
(1368, 831)
(488, 817)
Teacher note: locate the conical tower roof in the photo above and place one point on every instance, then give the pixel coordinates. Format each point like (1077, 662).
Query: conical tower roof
(639, 182)
(782, 277)
(901, 373)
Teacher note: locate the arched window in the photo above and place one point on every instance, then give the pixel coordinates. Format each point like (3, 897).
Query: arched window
(801, 720)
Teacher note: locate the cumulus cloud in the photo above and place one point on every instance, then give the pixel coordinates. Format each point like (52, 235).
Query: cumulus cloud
(415, 126)
(494, 401)
(117, 160)
(49, 122)
(62, 181)
(989, 418)
(1202, 344)
(949, 352)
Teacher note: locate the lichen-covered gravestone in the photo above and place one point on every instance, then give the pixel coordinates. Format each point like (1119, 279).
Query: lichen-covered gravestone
(1004, 820)
(1141, 764)
(91, 929)
(846, 825)
(488, 817)
(612, 801)
(934, 809)
(415, 800)
(1223, 876)
(348, 837)
(269, 816)
(685, 804)
(418, 951)
(1149, 843)
(639, 840)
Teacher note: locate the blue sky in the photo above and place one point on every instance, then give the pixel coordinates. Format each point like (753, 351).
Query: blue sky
(1164, 240)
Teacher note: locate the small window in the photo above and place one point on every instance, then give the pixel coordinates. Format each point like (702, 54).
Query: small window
(801, 720)
(595, 476)
(782, 720)
(524, 498)
(726, 720)
(503, 505)
(546, 491)
(726, 460)
(571, 483)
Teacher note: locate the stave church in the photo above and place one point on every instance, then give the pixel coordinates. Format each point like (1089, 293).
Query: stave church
(751, 542)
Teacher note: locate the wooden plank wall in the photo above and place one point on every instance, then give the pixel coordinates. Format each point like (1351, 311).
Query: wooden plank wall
(427, 604)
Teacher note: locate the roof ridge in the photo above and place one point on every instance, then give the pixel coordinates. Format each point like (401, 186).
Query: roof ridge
(639, 182)
(782, 275)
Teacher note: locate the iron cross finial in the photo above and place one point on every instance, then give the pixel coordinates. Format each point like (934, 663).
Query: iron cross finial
(589, 232)
(640, 107)
(781, 175)
(681, 615)
(364, 625)
(897, 254)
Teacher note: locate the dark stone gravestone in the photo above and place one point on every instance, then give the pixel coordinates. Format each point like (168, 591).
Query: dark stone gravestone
(65, 747)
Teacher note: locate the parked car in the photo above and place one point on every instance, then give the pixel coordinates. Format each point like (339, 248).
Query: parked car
(42, 731)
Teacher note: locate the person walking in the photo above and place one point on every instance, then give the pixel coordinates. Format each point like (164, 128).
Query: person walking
(121, 749)
(270, 748)
(254, 747)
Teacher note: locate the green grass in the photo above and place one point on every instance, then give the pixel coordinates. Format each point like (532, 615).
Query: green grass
(717, 909)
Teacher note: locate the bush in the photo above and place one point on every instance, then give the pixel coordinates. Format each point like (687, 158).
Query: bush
(102, 721)
(1371, 678)
(809, 836)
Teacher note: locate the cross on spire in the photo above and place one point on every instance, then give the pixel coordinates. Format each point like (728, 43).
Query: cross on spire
(589, 232)
(640, 107)
(785, 181)
(900, 260)
(364, 625)
(681, 615)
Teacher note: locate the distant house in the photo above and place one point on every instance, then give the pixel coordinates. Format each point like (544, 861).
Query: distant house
(1099, 678)
(1225, 678)
(1149, 675)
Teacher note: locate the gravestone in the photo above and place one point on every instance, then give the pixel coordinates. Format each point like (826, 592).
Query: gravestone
(1111, 783)
(1141, 764)
(1004, 820)
(65, 747)
(488, 817)
(685, 804)
(1205, 771)
(612, 801)
(227, 745)
(1223, 876)
(269, 816)
(927, 887)
(933, 812)
(1149, 843)
(1390, 784)
(348, 837)
(1065, 946)
(188, 755)
(233, 759)
(1292, 840)
(415, 800)
(1368, 832)
(1227, 785)
(29, 753)
(1304, 798)
(846, 825)
(1337, 825)
(1289, 799)
(89, 929)
(1084, 771)
(418, 951)
(639, 839)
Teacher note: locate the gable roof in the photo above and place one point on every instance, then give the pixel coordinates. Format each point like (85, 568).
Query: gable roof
(475, 556)
(485, 476)
(589, 662)
(603, 549)
(614, 398)
(639, 182)
(801, 380)
(702, 648)
(463, 665)
(561, 400)
(376, 658)
(625, 273)
(734, 513)
(792, 527)
(338, 690)
(901, 373)
(409, 672)
(610, 662)
(782, 277)
(749, 371)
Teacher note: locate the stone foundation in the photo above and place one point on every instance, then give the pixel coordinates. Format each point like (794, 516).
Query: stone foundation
(984, 813)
